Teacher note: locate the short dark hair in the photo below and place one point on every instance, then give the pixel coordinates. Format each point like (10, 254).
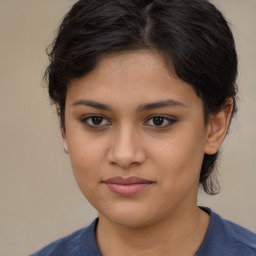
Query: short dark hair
(193, 35)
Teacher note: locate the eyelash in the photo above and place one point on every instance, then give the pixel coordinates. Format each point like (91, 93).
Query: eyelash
(86, 121)
(170, 121)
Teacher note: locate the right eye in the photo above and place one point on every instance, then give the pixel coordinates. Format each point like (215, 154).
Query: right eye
(95, 121)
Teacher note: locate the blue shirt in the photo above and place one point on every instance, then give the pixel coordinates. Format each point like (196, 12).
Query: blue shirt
(223, 238)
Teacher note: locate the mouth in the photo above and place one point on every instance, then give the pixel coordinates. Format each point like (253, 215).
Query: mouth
(127, 186)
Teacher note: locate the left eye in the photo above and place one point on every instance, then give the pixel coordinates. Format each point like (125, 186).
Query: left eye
(95, 121)
(160, 121)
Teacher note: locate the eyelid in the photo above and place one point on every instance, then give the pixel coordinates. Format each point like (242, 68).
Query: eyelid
(87, 117)
(170, 119)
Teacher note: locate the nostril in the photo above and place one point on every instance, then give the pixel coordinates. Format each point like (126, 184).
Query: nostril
(126, 148)
(126, 158)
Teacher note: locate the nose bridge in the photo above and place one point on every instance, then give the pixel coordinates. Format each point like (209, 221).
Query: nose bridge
(126, 147)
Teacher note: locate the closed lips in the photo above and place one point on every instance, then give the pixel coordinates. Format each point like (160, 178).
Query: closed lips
(126, 181)
(127, 186)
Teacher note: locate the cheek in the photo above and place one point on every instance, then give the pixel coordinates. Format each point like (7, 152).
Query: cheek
(85, 165)
(180, 155)
(178, 172)
(87, 156)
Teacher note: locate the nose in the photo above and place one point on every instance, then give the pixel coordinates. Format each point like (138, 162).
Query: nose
(126, 149)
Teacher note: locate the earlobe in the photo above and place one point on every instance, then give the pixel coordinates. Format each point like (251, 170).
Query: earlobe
(217, 128)
(64, 141)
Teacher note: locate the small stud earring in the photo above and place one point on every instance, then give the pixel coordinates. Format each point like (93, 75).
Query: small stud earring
(66, 150)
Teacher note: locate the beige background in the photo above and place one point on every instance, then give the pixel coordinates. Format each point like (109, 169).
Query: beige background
(39, 199)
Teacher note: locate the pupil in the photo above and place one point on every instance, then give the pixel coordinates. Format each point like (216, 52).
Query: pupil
(158, 121)
(97, 120)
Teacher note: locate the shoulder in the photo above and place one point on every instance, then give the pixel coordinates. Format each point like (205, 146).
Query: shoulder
(81, 242)
(240, 235)
(227, 238)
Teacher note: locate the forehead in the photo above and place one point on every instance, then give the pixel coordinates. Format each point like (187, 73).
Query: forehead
(131, 78)
(134, 64)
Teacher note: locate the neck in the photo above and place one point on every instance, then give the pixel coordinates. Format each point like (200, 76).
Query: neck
(179, 234)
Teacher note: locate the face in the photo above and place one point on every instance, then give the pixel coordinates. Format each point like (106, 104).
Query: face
(136, 138)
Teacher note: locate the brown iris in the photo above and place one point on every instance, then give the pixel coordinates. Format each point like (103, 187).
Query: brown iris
(97, 120)
(158, 120)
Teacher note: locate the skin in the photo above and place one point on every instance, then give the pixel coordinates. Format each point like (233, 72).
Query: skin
(162, 219)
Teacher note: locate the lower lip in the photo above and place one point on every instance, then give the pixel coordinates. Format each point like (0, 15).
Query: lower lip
(127, 189)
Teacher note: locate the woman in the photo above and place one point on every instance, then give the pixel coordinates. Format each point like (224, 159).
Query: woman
(145, 92)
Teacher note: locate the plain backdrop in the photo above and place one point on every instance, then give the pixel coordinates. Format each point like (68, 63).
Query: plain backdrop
(39, 198)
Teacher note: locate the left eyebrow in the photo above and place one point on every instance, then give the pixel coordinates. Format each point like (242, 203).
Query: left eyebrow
(160, 104)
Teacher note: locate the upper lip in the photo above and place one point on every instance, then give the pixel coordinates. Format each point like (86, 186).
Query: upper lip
(128, 180)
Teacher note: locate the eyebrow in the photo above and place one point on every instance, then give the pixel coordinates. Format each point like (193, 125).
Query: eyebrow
(160, 104)
(93, 104)
(140, 108)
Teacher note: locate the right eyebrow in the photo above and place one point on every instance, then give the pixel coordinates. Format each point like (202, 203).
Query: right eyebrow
(92, 104)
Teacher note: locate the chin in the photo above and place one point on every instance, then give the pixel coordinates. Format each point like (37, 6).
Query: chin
(131, 217)
(130, 221)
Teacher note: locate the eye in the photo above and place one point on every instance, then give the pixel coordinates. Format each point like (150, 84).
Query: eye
(160, 121)
(95, 121)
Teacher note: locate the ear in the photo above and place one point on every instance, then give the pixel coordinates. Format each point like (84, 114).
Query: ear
(217, 128)
(64, 137)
